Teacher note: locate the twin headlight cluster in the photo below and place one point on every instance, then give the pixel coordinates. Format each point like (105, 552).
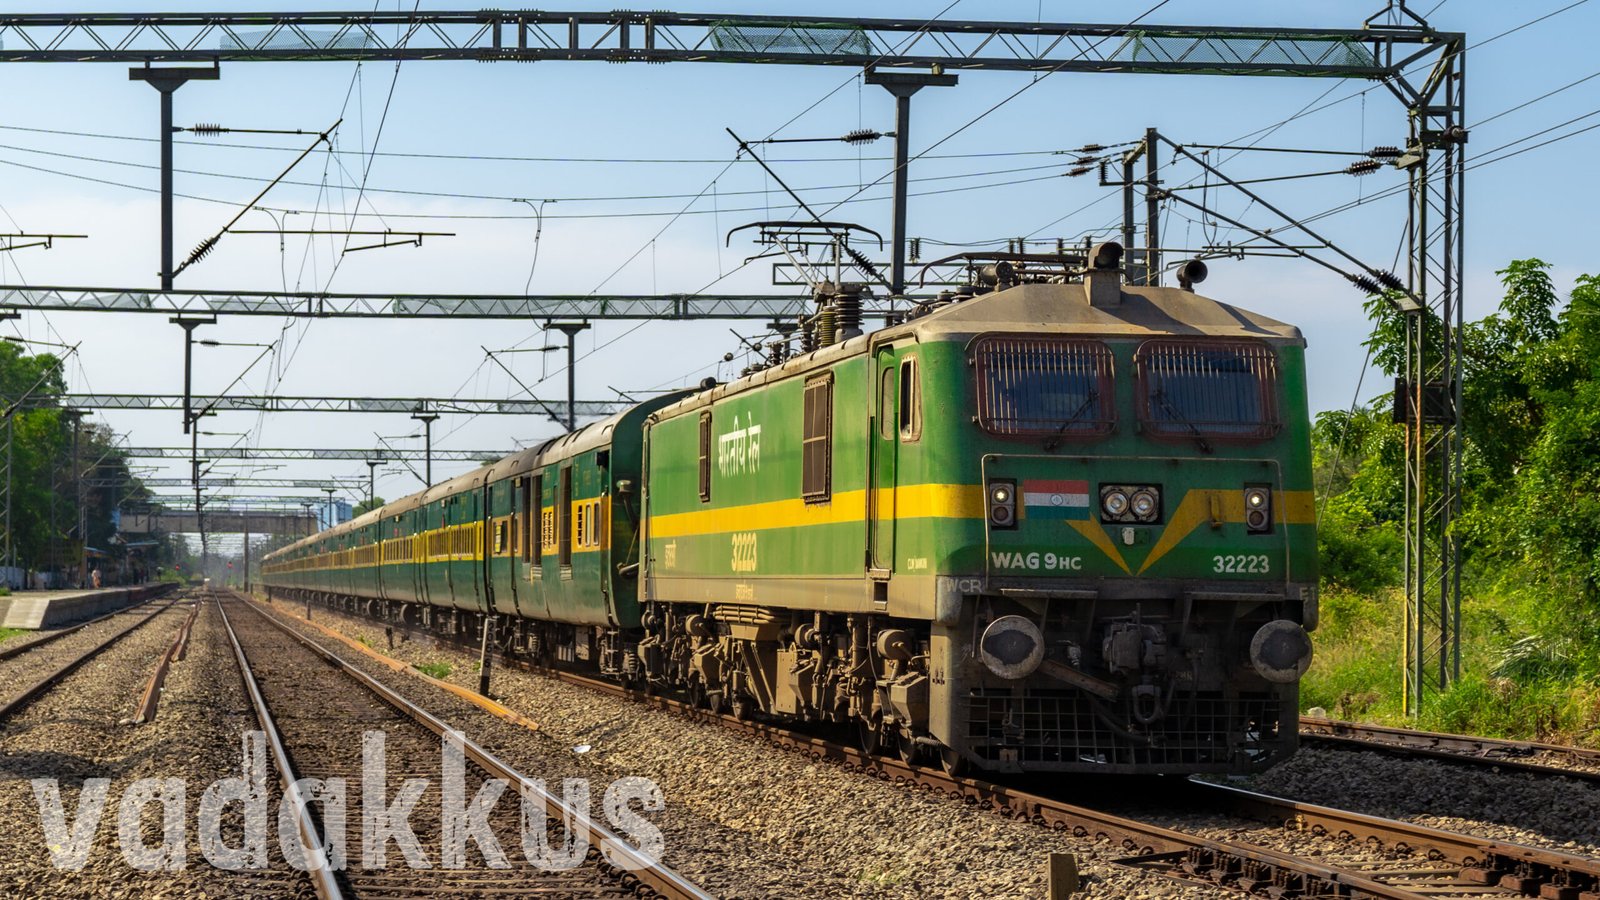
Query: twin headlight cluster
(1130, 504)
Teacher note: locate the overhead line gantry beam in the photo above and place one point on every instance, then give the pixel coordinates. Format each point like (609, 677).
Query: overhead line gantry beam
(208, 483)
(540, 408)
(356, 455)
(656, 37)
(404, 306)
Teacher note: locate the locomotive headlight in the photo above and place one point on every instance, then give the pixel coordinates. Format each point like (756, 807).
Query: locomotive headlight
(1258, 509)
(1114, 503)
(1146, 505)
(1003, 504)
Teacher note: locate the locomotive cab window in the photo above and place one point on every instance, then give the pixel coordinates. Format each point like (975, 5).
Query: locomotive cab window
(705, 457)
(1043, 386)
(886, 413)
(1207, 389)
(816, 464)
(910, 400)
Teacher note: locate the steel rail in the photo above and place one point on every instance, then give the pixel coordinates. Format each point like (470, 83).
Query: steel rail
(43, 684)
(648, 870)
(152, 689)
(1456, 748)
(52, 637)
(322, 878)
(1529, 871)
(1492, 865)
(1222, 863)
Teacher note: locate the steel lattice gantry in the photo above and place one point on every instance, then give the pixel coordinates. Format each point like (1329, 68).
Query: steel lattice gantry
(287, 453)
(319, 484)
(626, 36)
(235, 403)
(404, 306)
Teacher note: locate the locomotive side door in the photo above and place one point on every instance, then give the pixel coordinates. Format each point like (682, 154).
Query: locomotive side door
(883, 459)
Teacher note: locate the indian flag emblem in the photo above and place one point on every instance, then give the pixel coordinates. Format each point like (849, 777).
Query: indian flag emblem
(1055, 499)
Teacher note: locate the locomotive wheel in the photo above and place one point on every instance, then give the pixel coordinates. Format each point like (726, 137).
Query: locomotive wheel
(905, 743)
(870, 733)
(954, 764)
(697, 694)
(744, 707)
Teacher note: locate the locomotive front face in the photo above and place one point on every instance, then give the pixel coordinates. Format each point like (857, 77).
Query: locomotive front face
(1137, 594)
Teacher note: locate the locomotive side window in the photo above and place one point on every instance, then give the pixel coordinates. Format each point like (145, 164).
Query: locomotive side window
(1220, 389)
(816, 464)
(1043, 386)
(705, 457)
(910, 401)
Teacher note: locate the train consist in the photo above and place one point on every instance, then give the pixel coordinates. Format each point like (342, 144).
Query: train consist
(1048, 523)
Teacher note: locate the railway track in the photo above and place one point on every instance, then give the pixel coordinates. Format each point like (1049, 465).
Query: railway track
(27, 674)
(1413, 861)
(315, 709)
(1516, 756)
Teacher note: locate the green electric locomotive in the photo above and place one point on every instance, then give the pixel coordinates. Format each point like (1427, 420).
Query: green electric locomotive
(1061, 524)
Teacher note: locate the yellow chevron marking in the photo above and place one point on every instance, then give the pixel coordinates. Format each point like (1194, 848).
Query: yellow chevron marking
(1226, 506)
(1096, 533)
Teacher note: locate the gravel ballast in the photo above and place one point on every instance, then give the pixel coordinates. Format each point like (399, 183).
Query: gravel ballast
(746, 819)
(80, 729)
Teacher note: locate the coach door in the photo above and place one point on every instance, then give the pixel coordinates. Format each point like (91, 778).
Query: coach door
(884, 456)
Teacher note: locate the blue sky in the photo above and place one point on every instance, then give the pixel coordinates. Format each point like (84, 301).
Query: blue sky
(1534, 205)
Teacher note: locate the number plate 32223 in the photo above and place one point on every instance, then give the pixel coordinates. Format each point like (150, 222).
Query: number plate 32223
(1242, 564)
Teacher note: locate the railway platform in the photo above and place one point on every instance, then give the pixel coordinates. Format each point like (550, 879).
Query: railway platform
(33, 610)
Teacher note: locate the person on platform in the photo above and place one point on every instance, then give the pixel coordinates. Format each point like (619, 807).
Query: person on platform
(94, 577)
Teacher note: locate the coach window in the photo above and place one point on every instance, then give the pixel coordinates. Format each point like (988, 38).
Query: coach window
(910, 400)
(816, 477)
(564, 516)
(533, 502)
(705, 457)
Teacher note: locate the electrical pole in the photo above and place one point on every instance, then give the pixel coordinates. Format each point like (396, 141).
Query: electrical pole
(189, 324)
(167, 79)
(571, 329)
(427, 419)
(330, 492)
(77, 492)
(372, 480)
(194, 474)
(1152, 211)
(902, 85)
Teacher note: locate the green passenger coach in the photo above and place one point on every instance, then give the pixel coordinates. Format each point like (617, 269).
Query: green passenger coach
(1052, 524)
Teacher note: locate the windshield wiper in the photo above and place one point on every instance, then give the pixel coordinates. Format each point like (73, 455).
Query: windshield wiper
(1055, 439)
(1160, 397)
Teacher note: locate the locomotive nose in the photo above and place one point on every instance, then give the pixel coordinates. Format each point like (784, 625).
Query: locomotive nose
(1281, 651)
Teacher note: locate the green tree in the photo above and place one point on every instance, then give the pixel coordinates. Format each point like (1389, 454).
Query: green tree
(366, 506)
